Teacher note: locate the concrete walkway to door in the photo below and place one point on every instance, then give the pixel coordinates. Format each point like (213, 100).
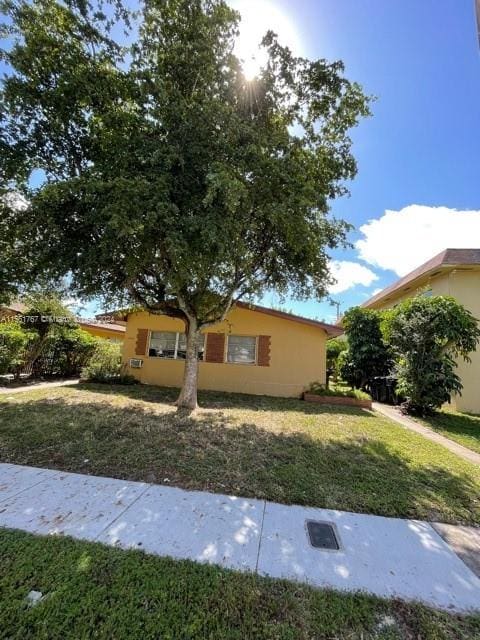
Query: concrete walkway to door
(388, 557)
(394, 414)
(38, 385)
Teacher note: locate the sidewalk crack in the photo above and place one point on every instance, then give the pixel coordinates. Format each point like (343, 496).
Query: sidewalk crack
(261, 535)
(53, 473)
(148, 486)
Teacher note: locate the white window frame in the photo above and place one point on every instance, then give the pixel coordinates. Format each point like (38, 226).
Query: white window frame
(177, 341)
(239, 335)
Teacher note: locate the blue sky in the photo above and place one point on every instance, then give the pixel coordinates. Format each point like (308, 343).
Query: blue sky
(418, 156)
(418, 187)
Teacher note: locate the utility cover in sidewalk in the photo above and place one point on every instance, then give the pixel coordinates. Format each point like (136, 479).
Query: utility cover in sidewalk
(322, 535)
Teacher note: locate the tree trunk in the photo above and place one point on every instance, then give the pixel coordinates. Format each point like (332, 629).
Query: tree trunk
(188, 395)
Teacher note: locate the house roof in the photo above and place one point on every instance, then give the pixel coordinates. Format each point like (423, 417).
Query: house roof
(109, 326)
(444, 261)
(18, 307)
(330, 329)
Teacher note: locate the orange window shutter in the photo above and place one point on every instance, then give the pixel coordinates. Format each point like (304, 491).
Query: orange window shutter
(263, 353)
(215, 351)
(141, 344)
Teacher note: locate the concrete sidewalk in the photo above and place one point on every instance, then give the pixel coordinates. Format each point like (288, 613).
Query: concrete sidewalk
(38, 385)
(385, 556)
(394, 414)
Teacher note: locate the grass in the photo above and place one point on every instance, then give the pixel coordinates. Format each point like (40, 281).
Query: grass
(93, 591)
(283, 450)
(464, 428)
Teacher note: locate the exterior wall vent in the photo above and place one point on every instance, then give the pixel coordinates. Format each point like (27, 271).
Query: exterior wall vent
(136, 363)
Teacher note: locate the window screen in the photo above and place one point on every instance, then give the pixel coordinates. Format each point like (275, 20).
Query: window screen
(182, 346)
(163, 344)
(172, 345)
(242, 349)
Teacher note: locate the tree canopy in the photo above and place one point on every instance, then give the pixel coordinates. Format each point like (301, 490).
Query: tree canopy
(169, 180)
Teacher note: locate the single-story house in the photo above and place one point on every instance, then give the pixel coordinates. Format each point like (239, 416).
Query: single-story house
(113, 331)
(453, 272)
(255, 350)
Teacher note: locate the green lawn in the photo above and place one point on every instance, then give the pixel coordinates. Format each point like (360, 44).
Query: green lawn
(280, 449)
(464, 428)
(93, 591)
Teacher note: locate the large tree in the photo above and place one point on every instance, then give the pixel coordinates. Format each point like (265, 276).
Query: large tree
(170, 181)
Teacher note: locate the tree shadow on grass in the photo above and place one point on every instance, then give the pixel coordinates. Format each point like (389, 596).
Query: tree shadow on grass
(210, 451)
(221, 399)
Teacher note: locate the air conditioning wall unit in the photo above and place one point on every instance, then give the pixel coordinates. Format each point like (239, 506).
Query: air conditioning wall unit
(136, 363)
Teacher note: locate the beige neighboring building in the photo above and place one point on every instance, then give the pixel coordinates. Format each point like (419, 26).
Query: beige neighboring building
(456, 273)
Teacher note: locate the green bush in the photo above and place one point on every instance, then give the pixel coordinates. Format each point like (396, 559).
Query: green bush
(14, 341)
(335, 348)
(427, 336)
(65, 351)
(48, 343)
(75, 348)
(321, 390)
(105, 364)
(368, 355)
(47, 322)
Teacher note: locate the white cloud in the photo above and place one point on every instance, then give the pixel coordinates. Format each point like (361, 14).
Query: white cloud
(348, 274)
(375, 291)
(403, 240)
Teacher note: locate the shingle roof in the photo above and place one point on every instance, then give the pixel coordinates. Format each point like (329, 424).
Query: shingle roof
(445, 259)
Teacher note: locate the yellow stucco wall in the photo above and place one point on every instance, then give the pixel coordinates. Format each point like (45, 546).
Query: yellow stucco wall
(297, 355)
(464, 286)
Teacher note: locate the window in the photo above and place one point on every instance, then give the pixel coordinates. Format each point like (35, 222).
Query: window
(163, 344)
(242, 349)
(171, 345)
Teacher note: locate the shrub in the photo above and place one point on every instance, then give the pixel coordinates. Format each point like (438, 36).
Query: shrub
(47, 320)
(75, 347)
(427, 335)
(65, 351)
(322, 390)
(14, 341)
(105, 364)
(368, 355)
(335, 348)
